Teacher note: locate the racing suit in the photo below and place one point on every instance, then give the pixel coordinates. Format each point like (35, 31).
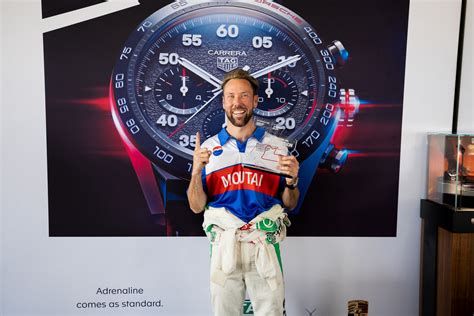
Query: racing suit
(245, 222)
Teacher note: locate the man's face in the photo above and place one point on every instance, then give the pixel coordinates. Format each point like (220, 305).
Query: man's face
(239, 101)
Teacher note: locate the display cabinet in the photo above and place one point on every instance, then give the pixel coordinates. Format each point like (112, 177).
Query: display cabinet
(451, 170)
(447, 241)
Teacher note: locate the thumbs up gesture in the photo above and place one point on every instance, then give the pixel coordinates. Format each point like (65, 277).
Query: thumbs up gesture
(200, 157)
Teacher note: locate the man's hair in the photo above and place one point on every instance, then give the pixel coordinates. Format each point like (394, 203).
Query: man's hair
(241, 74)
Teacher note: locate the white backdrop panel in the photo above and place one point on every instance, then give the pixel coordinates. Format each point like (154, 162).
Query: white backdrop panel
(48, 276)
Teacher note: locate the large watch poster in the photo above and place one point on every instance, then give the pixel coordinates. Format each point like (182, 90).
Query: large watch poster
(127, 92)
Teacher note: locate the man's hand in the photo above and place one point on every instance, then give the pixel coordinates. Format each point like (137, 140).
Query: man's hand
(200, 157)
(289, 165)
(196, 196)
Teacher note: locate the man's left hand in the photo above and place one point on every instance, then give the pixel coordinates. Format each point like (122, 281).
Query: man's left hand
(289, 165)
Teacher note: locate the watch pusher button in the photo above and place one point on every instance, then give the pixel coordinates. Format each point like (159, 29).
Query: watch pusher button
(339, 53)
(333, 158)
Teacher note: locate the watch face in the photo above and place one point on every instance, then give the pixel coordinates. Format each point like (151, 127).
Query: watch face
(166, 82)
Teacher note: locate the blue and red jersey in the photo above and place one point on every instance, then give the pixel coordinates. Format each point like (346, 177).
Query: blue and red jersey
(228, 183)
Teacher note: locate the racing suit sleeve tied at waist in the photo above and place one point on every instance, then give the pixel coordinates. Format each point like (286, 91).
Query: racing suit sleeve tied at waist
(226, 233)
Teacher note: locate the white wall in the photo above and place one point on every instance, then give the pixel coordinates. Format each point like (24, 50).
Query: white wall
(466, 97)
(42, 275)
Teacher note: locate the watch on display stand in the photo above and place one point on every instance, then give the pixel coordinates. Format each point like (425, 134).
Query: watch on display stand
(165, 87)
(457, 182)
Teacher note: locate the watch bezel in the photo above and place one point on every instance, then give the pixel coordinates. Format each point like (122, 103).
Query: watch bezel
(309, 141)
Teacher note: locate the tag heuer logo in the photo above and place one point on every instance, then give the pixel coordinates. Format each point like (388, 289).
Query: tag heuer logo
(227, 63)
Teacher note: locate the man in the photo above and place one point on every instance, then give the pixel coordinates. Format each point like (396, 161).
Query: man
(244, 217)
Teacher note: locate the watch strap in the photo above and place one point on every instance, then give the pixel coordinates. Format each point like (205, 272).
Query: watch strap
(292, 186)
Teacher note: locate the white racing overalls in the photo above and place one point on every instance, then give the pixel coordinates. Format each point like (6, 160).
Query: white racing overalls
(246, 257)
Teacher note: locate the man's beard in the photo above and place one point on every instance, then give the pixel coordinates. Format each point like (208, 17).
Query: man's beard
(240, 123)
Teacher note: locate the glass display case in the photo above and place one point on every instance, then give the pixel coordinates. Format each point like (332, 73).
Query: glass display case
(451, 170)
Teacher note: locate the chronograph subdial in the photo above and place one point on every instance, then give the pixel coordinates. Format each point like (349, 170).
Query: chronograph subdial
(213, 123)
(278, 93)
(181, 92)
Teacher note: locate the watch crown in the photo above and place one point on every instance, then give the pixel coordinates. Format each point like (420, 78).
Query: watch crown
(339, 53)
(349, 104)
(333, 159)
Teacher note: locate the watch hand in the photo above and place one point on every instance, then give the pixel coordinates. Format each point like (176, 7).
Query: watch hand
(269, 90)
(203, 106)
(200, 72)
(276, 66)
(183, 88)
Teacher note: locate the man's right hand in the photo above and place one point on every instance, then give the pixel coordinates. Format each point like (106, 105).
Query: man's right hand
(200, 157)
